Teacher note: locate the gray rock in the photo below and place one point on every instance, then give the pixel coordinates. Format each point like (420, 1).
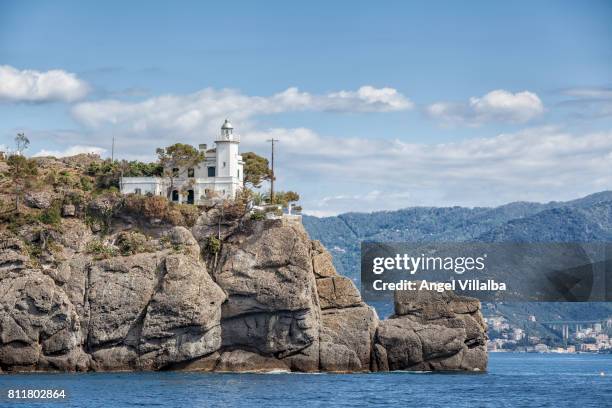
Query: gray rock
(430, 305)
(68, 210)
(211, 223)
(36, 319)
(353, 328)
(338, 358)
(432, 331)
(272, 303)
(322, 261)
(279, 333)
(246, 361)
(400, 344)
(75, 235)
(39, 199)
(337, 292)
(115, 358)
(13, 255)
(182, 319)
(104, 206)
(118, 292)
(267, 270)
(444, 309)
(380, 361)
(181, 237)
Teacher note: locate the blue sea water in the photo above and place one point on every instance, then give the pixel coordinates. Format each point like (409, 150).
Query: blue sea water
(513, 380)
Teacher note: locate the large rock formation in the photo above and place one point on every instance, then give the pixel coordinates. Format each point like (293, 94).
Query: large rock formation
(432, 331)
(266, 298)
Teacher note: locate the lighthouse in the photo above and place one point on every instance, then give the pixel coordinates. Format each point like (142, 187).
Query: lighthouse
(220, 174)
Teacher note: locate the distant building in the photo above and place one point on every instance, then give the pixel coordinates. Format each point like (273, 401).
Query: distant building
(541, 348)
(220, 174)
(518, 334)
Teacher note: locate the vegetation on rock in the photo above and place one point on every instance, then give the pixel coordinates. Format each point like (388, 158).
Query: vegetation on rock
(176, 160)
(256, 169)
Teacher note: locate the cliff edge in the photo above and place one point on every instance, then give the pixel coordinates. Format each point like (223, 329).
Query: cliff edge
(263, 297)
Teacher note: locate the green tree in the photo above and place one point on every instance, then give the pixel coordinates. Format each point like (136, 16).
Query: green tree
(256, 169)
(22, 172)
(107, 173)
(285, 198)
(22, 143)
(136, 168)
(176, 159)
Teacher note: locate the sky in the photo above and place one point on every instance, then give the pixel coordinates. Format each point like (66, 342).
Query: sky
(377, 105)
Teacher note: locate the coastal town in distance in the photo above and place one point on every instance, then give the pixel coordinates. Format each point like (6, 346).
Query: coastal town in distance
(556, 336)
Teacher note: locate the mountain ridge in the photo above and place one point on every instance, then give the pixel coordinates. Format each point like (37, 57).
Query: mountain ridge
(586, 219)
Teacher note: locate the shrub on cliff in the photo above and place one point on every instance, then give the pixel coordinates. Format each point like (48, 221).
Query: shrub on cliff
(132, 242)
(182, 214)
(158, 207)
(258, 215)
(190, 214)
(155, 206)
(100, 249)
(213, 245)
(22, 173)
(52, 215)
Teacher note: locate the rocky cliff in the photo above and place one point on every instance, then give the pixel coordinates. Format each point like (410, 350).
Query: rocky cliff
(263, 297)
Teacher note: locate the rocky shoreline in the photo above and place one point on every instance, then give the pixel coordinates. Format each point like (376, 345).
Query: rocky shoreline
(268, 298)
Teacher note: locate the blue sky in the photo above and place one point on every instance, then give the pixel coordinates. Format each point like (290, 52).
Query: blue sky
(397, 103)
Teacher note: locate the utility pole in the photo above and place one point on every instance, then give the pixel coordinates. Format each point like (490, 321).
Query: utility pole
(273, 176)
(113, 150)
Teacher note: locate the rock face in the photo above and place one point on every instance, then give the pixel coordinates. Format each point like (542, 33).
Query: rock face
(39, 199)
(267, 298)
(144, 311)
(432, 331)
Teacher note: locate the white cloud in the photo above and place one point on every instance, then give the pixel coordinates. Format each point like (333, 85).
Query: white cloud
(204, 110)
(495, 106)
(35, 86)
(538, 164)
(593, 92)
(366, 99)
(71, 151)
(588, 102)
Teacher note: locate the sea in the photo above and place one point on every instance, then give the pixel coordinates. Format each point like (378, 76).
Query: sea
(513, 380)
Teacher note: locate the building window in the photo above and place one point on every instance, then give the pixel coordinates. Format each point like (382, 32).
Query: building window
(190, 172)
(175, 195)
(137, 191)
(175, 172)
(223, 164)
(211, 172)
(190, 197)
(238, 173)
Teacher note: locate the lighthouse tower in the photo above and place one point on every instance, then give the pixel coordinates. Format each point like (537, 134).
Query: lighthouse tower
(229, 161)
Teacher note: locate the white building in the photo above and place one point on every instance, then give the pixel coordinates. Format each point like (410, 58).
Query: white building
(518, 334)
(220, 174)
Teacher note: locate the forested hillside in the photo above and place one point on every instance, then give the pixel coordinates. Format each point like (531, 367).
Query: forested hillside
(588, 219)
